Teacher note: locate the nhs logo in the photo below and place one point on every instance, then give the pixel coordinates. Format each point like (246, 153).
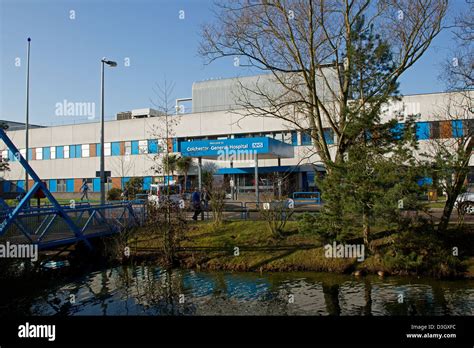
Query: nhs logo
(257, 145)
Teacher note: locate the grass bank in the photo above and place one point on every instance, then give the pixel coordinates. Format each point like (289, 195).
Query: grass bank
(249, 246)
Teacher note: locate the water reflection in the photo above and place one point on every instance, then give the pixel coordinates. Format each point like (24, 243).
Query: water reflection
(146, 290)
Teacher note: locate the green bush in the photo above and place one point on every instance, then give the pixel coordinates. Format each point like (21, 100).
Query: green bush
(134, 187)
(314, 224)
(306, 223)
(422, 251)
(114, 194)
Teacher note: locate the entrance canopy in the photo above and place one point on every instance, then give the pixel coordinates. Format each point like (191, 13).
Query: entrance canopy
(264, 147)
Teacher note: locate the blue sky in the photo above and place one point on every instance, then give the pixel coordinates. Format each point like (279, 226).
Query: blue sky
(66, 53)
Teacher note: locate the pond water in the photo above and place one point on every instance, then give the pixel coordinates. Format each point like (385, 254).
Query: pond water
(149, 290)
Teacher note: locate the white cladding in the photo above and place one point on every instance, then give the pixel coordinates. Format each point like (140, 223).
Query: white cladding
(200, 124)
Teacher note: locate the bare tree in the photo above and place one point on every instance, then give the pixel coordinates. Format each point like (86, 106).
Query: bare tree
(311, 50)
(122, 165)
(450, 157)
(164, 129)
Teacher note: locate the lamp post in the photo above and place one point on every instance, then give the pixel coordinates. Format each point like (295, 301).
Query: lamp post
(27, 118)
(102, 155)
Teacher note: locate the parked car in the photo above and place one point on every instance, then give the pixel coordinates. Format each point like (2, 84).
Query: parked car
(465, 202)
(159, 193)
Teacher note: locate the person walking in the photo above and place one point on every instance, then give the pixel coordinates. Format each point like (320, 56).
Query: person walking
(205, 198)
(196, 202)
(125, 194)
(85, 190)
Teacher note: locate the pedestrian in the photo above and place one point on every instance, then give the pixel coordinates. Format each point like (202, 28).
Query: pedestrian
(85, 190)
(196, 203)
(125, 194)
(206, 197)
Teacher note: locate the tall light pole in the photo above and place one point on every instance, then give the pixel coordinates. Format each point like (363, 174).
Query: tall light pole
(102, 155)
(27, 121)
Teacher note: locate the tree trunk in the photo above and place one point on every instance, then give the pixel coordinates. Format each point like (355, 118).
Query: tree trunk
(185, 181)
(451, 199)
(457, 187)
(366, 229)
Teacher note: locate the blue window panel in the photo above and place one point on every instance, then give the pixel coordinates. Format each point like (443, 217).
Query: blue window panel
(53, 185)
(97, 150)
(168, 179)
(457, 128)
(7, 186)
(69, 185)
(175, 145)
(294, 138)
(72, 151)
(124, 181)
(135, 147)
(20, 186)
(146, 182)
(59, 151)
(423, 130)
(30, 154)
(329, 136)
(96, 184)
(78, 151)
(115, 148)
(46, 153)
(305, 139)
(425, 181)
(153, 146)
(397, 131)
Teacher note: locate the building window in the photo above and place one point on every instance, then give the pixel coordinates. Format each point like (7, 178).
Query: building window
(457, 128)
(445, 129)
(294, 138)
(423, 130)
(143, 146)
(46, 153)
(39, 153)
(66, 151)
(61, 185)
(435, 129)
(53, 152)
(78, 151)
(305, 138)
(135, 147)
(116, 148)
(59, 151)
(107, 149)
(85, 150)
(23, 153)
(153, 146)
(128, 148)
(287, 137)
(328, 136)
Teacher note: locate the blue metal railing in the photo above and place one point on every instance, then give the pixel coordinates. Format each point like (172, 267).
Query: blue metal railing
(307, 197)
(57, 224)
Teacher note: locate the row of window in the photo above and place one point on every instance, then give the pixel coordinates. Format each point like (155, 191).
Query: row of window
(74, 185)
(118, 148)
(424, 131)
(442, 129)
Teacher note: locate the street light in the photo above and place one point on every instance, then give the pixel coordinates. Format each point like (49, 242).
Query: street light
(102, 155)
(27, 118)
